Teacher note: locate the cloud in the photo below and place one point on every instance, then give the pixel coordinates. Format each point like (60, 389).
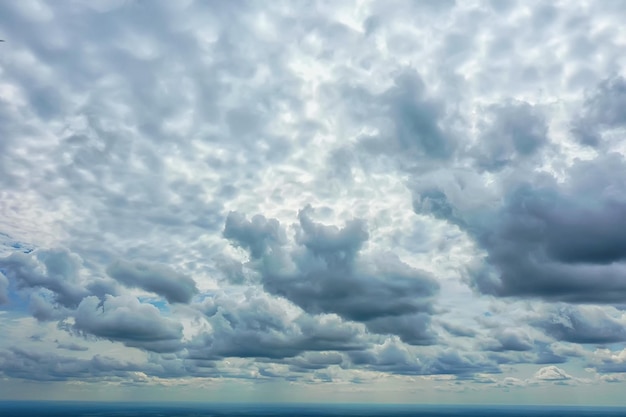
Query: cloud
(552, 373)
(394, 357)
(259, 326)
(607, 361)
(160, 279)
(545, 238)
(417, 119)
(408, 120)
(4, 285)
(512, 131)
(55, 270)
(314, 361)
(454, 362)
(126, 320)
(583, 324)
(255, 235)
(18, 363)
(512, 340)
(435, 196)
(602, 111)
(72, 347)
(325, 274)
(457, 330)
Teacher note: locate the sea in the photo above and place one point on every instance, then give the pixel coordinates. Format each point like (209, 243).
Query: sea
(94, 409)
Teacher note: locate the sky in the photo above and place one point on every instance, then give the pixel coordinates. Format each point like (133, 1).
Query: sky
(321, 201)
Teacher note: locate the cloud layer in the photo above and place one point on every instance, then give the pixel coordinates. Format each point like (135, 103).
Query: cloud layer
(314, 194)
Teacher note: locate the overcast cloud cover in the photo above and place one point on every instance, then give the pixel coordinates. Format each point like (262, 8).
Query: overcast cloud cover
(414, 201)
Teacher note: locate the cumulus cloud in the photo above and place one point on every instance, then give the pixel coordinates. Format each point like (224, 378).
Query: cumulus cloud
(556, 240)
(552, 373)
(255, 235)
(607, 361)
(315, 360)
(160, 279)
(511, 340)
(259, 326)
(584, 324)
(511, 132)
(601, 112)
(19, 363)
(126, 320)
(406, 118)
(56, 271)
(326, 274)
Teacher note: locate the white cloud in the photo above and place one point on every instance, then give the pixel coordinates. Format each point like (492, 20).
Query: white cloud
(552, 373)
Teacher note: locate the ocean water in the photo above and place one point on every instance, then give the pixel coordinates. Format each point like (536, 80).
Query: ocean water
(78, 409)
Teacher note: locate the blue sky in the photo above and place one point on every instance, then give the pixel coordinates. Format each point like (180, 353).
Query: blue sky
(384, 201)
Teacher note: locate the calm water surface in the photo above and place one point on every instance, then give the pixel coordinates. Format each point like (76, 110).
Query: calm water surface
(74, 409)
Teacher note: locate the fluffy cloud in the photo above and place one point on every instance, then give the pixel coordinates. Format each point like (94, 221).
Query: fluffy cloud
(19, 363)
(313, 193)
(584, 324)
(160, 279)
(511, 132)
(556, 240)
(326, 274)
(258, 326)
(127, 320)
(601, 112)
(56, 271)
(552, 373)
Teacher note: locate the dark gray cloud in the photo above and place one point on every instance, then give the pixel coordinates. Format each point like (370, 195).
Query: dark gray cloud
(583, 324)
(4, 286)
(53, 280)
(23, 364)
(255, 235)
(546, 354)
(334, 245)
(511, 340)
(454, 362)
(44, 308)
(458, 330)
(259, 326)
(390, 357)
(125, 319)
(315, 360)
(603, 109)
(548, 239)
(394, 358)
(55, 270)
(326, 274)
(413, 329)
(75, 347)
(511, 131)
(418, 119)
(157, 278)
(411, 122)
